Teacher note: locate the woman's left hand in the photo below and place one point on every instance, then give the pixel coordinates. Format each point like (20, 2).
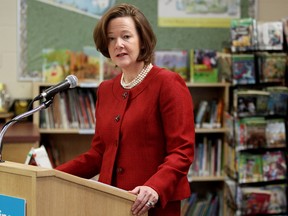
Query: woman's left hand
(146, 199)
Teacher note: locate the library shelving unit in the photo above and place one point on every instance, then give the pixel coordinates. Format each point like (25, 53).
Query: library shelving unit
(260, 151)
(64, 143)
(206, 175)
(258, 114)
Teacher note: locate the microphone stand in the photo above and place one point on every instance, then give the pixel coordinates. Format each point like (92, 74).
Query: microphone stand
(44, 105)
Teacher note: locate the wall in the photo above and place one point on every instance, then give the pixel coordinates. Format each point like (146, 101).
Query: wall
(272, 10)
(72, 30)
(8, 51)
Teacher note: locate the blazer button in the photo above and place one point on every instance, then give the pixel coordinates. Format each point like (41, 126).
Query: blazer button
(125, 95)
(120, 170)
(117, 118)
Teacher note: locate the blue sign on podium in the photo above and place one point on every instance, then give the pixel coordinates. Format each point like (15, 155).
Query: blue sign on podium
(12, 206)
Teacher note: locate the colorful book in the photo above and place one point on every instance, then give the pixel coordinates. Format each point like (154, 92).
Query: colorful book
(243, 67)
(251, 102)
(243, 34)
(277, 103)
(275, 133)
(255, 201)
(250, 168)
(274, 166)
(255, 132)
(174, 60)
(271, 67)
(203, 66)
(278, 198)
(270, 35)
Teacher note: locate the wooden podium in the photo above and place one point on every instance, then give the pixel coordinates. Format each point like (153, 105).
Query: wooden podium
(51, 192)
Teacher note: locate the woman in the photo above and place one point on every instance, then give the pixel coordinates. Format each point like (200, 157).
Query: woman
(144, 136)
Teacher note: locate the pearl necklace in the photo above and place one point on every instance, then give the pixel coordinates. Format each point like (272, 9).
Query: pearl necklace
(139, 78)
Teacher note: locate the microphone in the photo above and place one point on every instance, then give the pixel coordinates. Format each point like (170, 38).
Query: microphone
(69, 82)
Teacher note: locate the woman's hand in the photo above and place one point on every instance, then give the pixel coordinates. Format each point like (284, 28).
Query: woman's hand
(146, 199)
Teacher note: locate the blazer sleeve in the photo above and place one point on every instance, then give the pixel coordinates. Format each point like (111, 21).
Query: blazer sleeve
(176, 107)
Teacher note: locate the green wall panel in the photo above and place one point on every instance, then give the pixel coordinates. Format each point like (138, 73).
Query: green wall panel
(52, 27)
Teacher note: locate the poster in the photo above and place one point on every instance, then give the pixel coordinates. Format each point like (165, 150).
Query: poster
(197, 13)
(93, 8)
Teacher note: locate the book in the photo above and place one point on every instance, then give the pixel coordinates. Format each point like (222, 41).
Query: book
(243, 69)
(250, 168)
(218, 156)
(270, 35)
(203, 66)
(274, 166)
(251, 102)
(255, 132)
(278, 100)
(255, 201)
(271, 67)
(38, 157)
(275, 133)
(278, 198)
(173, 60)
(200, 113)
(243, 34)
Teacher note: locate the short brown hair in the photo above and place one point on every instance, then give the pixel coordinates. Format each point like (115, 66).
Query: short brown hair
(143, 27)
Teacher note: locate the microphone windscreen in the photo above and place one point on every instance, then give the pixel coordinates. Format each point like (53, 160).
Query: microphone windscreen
(73, 80)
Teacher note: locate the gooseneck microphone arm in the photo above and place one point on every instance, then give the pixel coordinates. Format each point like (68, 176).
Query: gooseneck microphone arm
(44, 105)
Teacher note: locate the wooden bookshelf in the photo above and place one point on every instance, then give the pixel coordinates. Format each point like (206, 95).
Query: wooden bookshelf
(211, 183)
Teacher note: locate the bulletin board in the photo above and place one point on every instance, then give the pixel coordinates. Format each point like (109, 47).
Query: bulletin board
(52, 27)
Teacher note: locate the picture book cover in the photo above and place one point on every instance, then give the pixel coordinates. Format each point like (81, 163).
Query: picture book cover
(278, 198)
(243, 34)
(174, 60)
(275, 133)
(243, 67)
(203, 66)
(255, 201)
(270, 35)
(271, 67)
(250, 168)
(274, 166)
(278, 95)
(255, 128)
(251, 102)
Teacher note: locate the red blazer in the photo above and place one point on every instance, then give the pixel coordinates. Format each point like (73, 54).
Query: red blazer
(143, 136)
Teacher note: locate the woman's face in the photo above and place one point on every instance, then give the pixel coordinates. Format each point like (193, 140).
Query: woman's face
(124, 42)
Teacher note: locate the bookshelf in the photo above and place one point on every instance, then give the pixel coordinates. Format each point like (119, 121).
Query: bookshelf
(258, 116)
(212, 183)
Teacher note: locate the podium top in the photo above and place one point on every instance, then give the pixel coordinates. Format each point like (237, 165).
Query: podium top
(40, 172)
